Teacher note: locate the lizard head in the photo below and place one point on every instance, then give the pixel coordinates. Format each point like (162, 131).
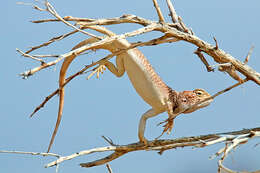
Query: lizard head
(190, 101)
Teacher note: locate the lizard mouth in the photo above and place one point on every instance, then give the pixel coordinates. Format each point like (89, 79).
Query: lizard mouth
(197, 106)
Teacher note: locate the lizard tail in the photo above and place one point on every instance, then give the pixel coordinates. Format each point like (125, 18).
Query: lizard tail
(65, 65)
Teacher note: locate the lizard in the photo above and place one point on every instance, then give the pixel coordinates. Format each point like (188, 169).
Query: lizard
(144, 79)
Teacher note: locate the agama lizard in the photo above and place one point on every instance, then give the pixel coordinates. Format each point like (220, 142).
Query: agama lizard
(144, 79)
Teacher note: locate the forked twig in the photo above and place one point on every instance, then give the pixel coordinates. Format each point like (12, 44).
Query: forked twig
(29, 56)
(51, 9)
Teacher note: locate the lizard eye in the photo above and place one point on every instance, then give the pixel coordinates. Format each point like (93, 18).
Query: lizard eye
(199, 93)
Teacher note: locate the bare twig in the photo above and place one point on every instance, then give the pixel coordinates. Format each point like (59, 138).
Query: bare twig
(229, 88)
(173, 13)
(108, 140)
(203, 59)
(29, 56)
(109, 168)
(249, 55)
(30, 4)
(46, 56)
(30, 153)
(58, 38)
(185, 29)
(57, 90)
(51, 9)
(216, 43)
(109, 21)
(158, 10)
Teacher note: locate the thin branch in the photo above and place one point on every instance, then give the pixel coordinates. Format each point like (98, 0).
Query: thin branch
(58, 38)
(46, 56)
(162, 145)
(186, 29)
(249, 55)
(173, 13)
(30, 4)
(108, 140)
(159, 12)
(29, 56)
(127, 18)
(216, 43)
(30, 153)
(109, 168)
(57, 90)
(229, 88)
(203, 59)
(51, 9)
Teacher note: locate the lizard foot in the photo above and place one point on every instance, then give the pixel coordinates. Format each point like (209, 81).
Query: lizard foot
(143, 140)
(100, 69)
(167, 127)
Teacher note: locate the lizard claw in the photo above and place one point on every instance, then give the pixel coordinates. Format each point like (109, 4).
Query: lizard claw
(144, 141)
(100, 69)
(167, 127)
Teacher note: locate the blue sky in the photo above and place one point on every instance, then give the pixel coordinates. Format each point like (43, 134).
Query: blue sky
(109, 106)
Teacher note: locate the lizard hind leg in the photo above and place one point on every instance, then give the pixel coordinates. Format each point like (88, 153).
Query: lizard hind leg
(142, 124)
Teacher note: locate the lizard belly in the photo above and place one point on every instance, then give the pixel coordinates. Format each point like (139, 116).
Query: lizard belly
(145, 81)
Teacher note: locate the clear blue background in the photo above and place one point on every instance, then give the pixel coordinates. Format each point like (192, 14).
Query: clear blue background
(109, 106)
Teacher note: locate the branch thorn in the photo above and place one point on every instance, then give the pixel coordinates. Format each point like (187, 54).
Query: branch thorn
(249, 54)
(216, 42)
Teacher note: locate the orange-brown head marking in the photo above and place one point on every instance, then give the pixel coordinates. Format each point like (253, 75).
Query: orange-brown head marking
(193, 98)
(186, 102)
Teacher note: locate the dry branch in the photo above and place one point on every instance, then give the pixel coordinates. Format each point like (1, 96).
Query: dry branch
(232, 139)
(172, 32)
(217, 54)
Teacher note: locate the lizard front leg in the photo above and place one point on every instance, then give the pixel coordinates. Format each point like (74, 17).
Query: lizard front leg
(118, 69)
